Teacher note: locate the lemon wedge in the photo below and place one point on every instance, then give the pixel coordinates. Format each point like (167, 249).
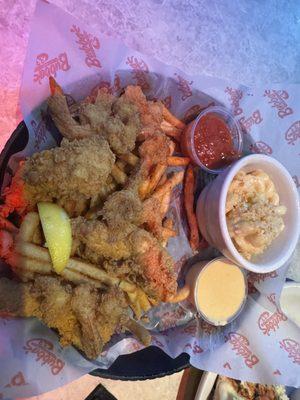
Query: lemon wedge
(58, 234)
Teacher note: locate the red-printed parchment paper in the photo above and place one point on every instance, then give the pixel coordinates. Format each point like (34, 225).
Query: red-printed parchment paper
(262, 345)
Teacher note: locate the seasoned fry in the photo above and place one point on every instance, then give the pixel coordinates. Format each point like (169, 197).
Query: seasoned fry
(165, 202)
(168, 116)
(171, 131)
(30, 264)
(37, 259)
(175, 179)
(155, 177)
(118, 175)
(37, 237)
(135, 304)
(129, 158)
(78, 278)
(32, 251)
(181, 295)
(172, 146)
(121, 165)
(29, 226)
(178, 161)
(162, 181)
(144, 188)
(143, 300)
(189, 188)
(139, 331)
(127, 286)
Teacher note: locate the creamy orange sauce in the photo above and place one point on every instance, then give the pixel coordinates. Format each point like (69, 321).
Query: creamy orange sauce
(220, 291)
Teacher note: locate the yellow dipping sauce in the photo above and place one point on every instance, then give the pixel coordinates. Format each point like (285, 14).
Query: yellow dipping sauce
(220, 291)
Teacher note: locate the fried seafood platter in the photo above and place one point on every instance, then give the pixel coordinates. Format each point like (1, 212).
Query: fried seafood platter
(84, 226)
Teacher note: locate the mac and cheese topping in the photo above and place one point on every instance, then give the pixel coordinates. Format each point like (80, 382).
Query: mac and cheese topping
(253, 213)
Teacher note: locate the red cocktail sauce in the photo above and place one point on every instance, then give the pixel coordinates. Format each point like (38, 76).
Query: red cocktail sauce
(213, 142)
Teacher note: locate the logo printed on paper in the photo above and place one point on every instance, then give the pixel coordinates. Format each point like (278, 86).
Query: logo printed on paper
(240, 344)
(88, 44)
(207, 328)
(140, 71)
(277, 100)
(292, 348)
(45, 68)
(261, 148)
(191, 329)
(257, 278)
(184, 86)
(197, 349)
(293, 133)
(227, 365)
(170, 318)
(111, 89)
(268, 322)
(157, 342)
(235, 97)
(193, 111)
(254, 119)
(17, 380)
(43, 350)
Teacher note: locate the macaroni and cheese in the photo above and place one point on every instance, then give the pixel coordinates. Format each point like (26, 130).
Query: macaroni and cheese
(253, 213)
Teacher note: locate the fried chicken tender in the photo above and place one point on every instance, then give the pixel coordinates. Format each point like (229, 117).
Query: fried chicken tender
(83, 316)
(74, 171)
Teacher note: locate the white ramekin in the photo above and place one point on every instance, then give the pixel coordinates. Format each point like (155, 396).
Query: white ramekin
(212, 220)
